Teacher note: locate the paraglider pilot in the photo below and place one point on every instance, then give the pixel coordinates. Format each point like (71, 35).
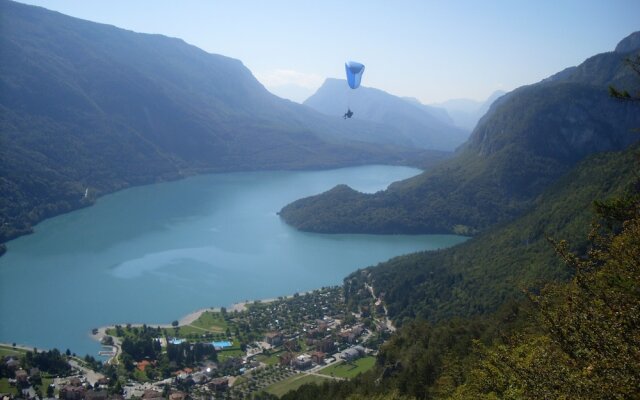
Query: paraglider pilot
(354, 72)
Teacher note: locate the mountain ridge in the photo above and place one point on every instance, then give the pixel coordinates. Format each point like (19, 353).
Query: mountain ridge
(528, 139)
(466, 113)
(415, 126)
(89, 106)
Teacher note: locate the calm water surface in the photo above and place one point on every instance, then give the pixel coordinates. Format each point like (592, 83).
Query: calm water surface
(155, 253)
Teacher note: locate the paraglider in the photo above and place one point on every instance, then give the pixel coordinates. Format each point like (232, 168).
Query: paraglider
(354, 72)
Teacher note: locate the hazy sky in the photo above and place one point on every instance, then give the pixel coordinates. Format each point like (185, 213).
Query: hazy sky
(431, 50)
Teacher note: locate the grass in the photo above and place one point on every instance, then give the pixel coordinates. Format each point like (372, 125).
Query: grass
(272, 359)
(349, 370)
(187, 330)
(230, 353)
(6, 388)
(10, 351)
(211, 321)
(46, 381)
(292, 383)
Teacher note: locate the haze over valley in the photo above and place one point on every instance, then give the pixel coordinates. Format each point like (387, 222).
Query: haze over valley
(445, 207)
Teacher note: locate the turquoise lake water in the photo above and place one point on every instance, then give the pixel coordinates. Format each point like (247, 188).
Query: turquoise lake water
(155, 253)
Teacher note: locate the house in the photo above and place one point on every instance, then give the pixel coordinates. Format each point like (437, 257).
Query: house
(358, 329)
(22, 376)
(75, 381)
(285, 358)
(273, 338)
(219, 384)
(350, 335)
(178, 396)
(318, 357)
(301, 362)
(71, 392)
(96, 395)
(326, 346)
(142, 365)
(12, 363)
(102, 382)
(200, 377)
(345, 336)
(350, 354)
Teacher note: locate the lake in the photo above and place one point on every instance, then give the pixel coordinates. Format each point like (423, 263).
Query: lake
(155, 253)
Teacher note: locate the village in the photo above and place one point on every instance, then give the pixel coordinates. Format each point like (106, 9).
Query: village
(261, 346)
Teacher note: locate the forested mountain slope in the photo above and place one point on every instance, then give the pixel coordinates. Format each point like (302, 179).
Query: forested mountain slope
(528, 139)
(88, 108)
(469, 332)
(479, 275)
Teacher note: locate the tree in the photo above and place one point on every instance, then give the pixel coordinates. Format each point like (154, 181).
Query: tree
(50, 391)
(624, 94)
(589, 340)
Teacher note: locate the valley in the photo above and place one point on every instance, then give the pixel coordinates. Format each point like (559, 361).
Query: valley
(452, 213)
(171, 248)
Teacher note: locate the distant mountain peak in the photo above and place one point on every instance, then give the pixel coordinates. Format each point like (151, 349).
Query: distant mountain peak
(406, 122)
(629, 44)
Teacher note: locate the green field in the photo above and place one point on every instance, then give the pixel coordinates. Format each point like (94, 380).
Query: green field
(6, 388)
(10, 351)
(230, 352)
(292, 383)
(211, 321)
(272, 359)
(349, 370)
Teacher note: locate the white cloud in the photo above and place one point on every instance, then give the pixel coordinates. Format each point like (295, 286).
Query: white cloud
(283, 77)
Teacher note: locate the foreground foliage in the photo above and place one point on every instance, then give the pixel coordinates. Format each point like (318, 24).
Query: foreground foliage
(590, 339)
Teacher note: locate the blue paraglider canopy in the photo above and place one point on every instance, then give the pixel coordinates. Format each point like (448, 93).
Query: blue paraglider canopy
(354, 73)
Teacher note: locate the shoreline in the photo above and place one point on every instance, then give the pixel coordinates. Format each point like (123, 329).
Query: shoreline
(185, 320)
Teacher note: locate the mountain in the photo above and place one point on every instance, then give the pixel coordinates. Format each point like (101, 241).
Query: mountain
(459, 309)
(466, 113)
(88, 109)
(528, 139)
(292, 92)
(438, 112)
(479, 275)
(414, 125)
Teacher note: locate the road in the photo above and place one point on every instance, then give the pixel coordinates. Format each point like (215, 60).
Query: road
(91, 375)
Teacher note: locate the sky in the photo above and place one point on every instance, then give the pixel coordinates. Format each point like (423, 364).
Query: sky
(426, 49)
